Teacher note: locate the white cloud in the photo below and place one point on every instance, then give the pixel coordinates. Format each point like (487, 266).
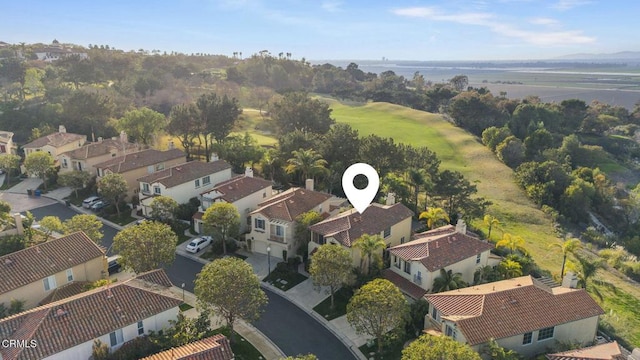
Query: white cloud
(563, 5)
(543, 21)
(332, 6)
(490, 21)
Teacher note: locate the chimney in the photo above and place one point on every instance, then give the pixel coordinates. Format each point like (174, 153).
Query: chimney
(570, 280)
(461, 227)
(62, 129)
(171, 146)
(248, 172)
(391, 198)
(214, 157)
(308, 184)
(123, 137)
(18, 220)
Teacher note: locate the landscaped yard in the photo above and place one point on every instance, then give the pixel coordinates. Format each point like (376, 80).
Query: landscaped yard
(185, 307)
(242, 349)
(122, 220)
(391, 350)
(342, 297)
(284, 278)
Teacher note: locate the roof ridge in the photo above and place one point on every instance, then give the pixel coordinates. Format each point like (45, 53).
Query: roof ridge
(42, 316)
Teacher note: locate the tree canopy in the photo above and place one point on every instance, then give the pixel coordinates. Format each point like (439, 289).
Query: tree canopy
(146, 247)
(331, 266)
(429, 347)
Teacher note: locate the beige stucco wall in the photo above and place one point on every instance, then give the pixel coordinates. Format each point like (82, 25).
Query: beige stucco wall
(132, 176)
(55, 151)
(88, 165)
(34, 292)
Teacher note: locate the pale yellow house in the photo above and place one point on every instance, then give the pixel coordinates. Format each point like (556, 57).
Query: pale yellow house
(32, 274)
(182, 182)
(56, 143)
(521, 314)
(417, 263)
(7, 146)
(113, 314)
(136, 165)
(88, 155)
(391, 222)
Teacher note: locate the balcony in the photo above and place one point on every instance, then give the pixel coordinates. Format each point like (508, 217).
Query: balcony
(278, 239)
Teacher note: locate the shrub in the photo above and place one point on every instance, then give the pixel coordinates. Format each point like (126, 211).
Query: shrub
(216, 246)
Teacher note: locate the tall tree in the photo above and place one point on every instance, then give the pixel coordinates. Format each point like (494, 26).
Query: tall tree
(434, 215)
(87, 223)
(39, 163)
(448, 280)
(220, 218)
(301, 230)
(9, 162)
(163, 208)
(491, 222)
(231, 289)
(114, 187)
(459, 82)
(74, 179)
(331, 266)
(298, 111)
(376, 308)
(182, 124)
(142, 124)
(512, 243)
(49, 225)
(239, 151)
(307, 162)
(146, 247)
(588, 268)
(369, 245)
(429, 347)
(218, 115)
(569, 246)
(418, 178)
(509, 268)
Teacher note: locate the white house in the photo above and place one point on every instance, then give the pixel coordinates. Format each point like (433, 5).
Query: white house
(182, 182)
(244, 192)
(57, 51)
(391, 222)
(521, 314)
(113, 314)
(273, 222)
(417, 263)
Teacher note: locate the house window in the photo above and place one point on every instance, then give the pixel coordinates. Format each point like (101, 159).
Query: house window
(319, 239)
(49, 283)
(259, 224)
(159, 167)
(277, 230)
(64, 163)
(387, 232)
(248, 220)
(69, 275)
(402, 240)
(197, 183)
(116, 338)
(150, 169)
(451, 332)
(526, 338)
(140, 328)
(206, 180)
(434, 314)
(407, 267)
(156, 190)
(546, 333)
(478, 258)
(145, 187)
(264, 194)
(396, 262)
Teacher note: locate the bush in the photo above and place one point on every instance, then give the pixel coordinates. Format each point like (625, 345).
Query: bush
(186, 211)
(216, 246)
(11, 243)
(136, 349)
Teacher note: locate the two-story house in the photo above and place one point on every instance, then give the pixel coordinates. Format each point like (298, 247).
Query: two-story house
(417, 263)
(7, 146)
(182, 181)
(33, 273)
(136, 165)
(521, 314)
(87, 156)
(244, 192)
(391, 222)
(273, 222)
(56, 143)
(112, 314)
(216, 347)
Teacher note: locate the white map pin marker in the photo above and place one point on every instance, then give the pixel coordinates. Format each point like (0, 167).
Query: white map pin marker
(360, 199)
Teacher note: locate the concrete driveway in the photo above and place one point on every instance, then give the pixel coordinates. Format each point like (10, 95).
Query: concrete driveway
(22, 202)
(24, 185)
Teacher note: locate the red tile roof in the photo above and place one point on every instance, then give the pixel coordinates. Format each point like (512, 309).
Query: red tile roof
(35, 263)
(512, 307)
(403, 284)
(158, 277)
(140, 159)
(61, 325)
(607, 351)
(182, 173)
(65, 291)
(441, 247)
(350, 225)
(291, 203)
(103, 147)
(56, 140)
(237, 188)
(216, 347)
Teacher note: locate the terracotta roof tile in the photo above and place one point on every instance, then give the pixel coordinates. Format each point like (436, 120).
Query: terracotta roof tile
(403, 284)
(56, 140)
(37, 262)
(512, 307)
(157, 276)
(140, 159)
(237, 188)
(65, 291)
(216, 347)
(607, 351)
(73, 321)
(350, 225)
(182, 173)
(291, 203)
(103, 147)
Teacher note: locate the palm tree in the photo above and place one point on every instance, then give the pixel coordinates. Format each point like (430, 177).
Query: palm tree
(417, 179)
(448, 281)
(510, 269)
(569, 246)
(513, 243)
(483, 274)
(368, 245)
(307, 162)
(270, 162)
(491, 222)
(589, 268)
(433, 216)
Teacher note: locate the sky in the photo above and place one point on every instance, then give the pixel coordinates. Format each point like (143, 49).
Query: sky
(335, 29)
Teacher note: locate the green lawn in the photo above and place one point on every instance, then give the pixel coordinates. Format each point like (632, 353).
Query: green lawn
(242, 349)
(122, 220)
(185, 307)
(284, 280)
(390, 351)
(342, 297)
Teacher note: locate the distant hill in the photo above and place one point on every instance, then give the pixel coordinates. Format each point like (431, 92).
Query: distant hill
(623, 55)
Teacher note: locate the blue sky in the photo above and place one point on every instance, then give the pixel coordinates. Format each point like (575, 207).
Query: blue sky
(335, 29)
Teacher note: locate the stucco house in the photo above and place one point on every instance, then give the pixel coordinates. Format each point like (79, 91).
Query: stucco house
(391, 222)
(521, 314)
(57, 51)
(273, 222)
(181, 181)
(607, 351)
(33, 273)
(216, 347)
(88, 155)
(7, 146)
(417, 263)
(56, 143)
(113, 314)
(136, 165)
(244, 192)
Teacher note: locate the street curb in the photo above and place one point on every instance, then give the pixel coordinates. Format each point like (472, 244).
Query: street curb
(338, 334)
(257, 331)
(81, 210)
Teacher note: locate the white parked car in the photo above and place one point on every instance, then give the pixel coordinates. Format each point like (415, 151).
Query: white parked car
(198, 244)
(86, 203)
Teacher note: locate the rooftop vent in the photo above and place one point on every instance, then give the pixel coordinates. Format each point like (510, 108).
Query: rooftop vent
(8, 261)
(60, 312)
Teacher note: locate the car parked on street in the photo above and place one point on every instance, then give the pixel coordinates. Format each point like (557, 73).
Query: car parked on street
(198, 244)
(86, 203)
(99, 205)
